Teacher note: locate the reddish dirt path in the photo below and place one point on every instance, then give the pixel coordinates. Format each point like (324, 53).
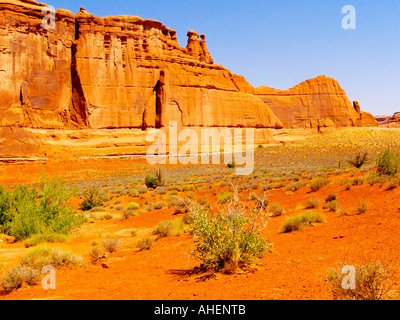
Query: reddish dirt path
(293, 270)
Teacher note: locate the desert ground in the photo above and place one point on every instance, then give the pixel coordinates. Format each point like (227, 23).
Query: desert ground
(294, 268)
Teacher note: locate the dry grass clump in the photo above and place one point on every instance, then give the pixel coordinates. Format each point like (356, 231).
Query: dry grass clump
(298, 222)
(312, 203)
(370, 280)
(294, 186)
(318, 183)
(145, 244)
(111, 243)
(276, 210)
(169, 228)
(15, 278)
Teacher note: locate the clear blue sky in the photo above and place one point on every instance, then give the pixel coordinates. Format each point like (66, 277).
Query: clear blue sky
(280, 43)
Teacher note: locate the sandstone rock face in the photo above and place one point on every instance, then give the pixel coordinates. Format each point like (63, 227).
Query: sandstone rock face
(133, 74)
(70, 82)
(35, 67)
(319, 102)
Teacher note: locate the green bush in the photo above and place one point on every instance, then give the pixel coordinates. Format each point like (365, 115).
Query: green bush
(388, 162)
(91, 199)
(298, 222)
(25, 212)
(226, 240)
(151, 182)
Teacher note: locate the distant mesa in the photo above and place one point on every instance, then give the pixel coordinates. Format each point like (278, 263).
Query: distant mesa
(125, 72)
(389, 121)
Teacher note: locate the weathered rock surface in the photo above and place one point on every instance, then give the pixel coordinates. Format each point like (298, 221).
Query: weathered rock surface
(61, 82)
(35, 67)
(316, 103)
(389, 121)
(134, 74)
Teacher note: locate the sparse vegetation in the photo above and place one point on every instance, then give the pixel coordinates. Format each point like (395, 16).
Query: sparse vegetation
(91, 199)
(145, 244)
(373, 281)
(111, 243)
(318, 183)
(169, 228)
(298, 222)
(25, 212)
(226, 240)
(276, 210)
(312, 203)
(359, 159)
(388, 162)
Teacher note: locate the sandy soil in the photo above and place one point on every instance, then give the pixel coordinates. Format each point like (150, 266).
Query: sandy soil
(294, 269)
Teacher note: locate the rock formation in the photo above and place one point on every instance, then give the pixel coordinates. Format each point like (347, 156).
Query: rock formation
(389, 121)
(61, 71)
(315, 103)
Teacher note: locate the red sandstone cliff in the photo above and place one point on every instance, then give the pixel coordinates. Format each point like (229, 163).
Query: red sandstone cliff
(319, 102)
(130, 73)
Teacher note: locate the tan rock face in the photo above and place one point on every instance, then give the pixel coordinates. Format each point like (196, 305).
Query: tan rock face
(320, 99)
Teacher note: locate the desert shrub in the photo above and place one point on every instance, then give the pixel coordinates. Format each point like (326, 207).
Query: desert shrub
(169, 228)
(24, 212)
(232, 164)
(312, 203)
(279, 185)
(14, 278)
(332, 206)
(267, 187)
(298, 222)
(359, 159)
(161, 190)
(145, 244)
(373, 281)
(44, 255)
(133, 192)
(133, 206)
(142, 190)
(95, 254)
(151, 182)
(159, 205)
(37, 239)
(91, 199)
(111, 243)
(388, 162)
(318, 183)
(229, 238)
(294, 186)
(276, 210)
(362, 207)
(331, 197)
(224, 197)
